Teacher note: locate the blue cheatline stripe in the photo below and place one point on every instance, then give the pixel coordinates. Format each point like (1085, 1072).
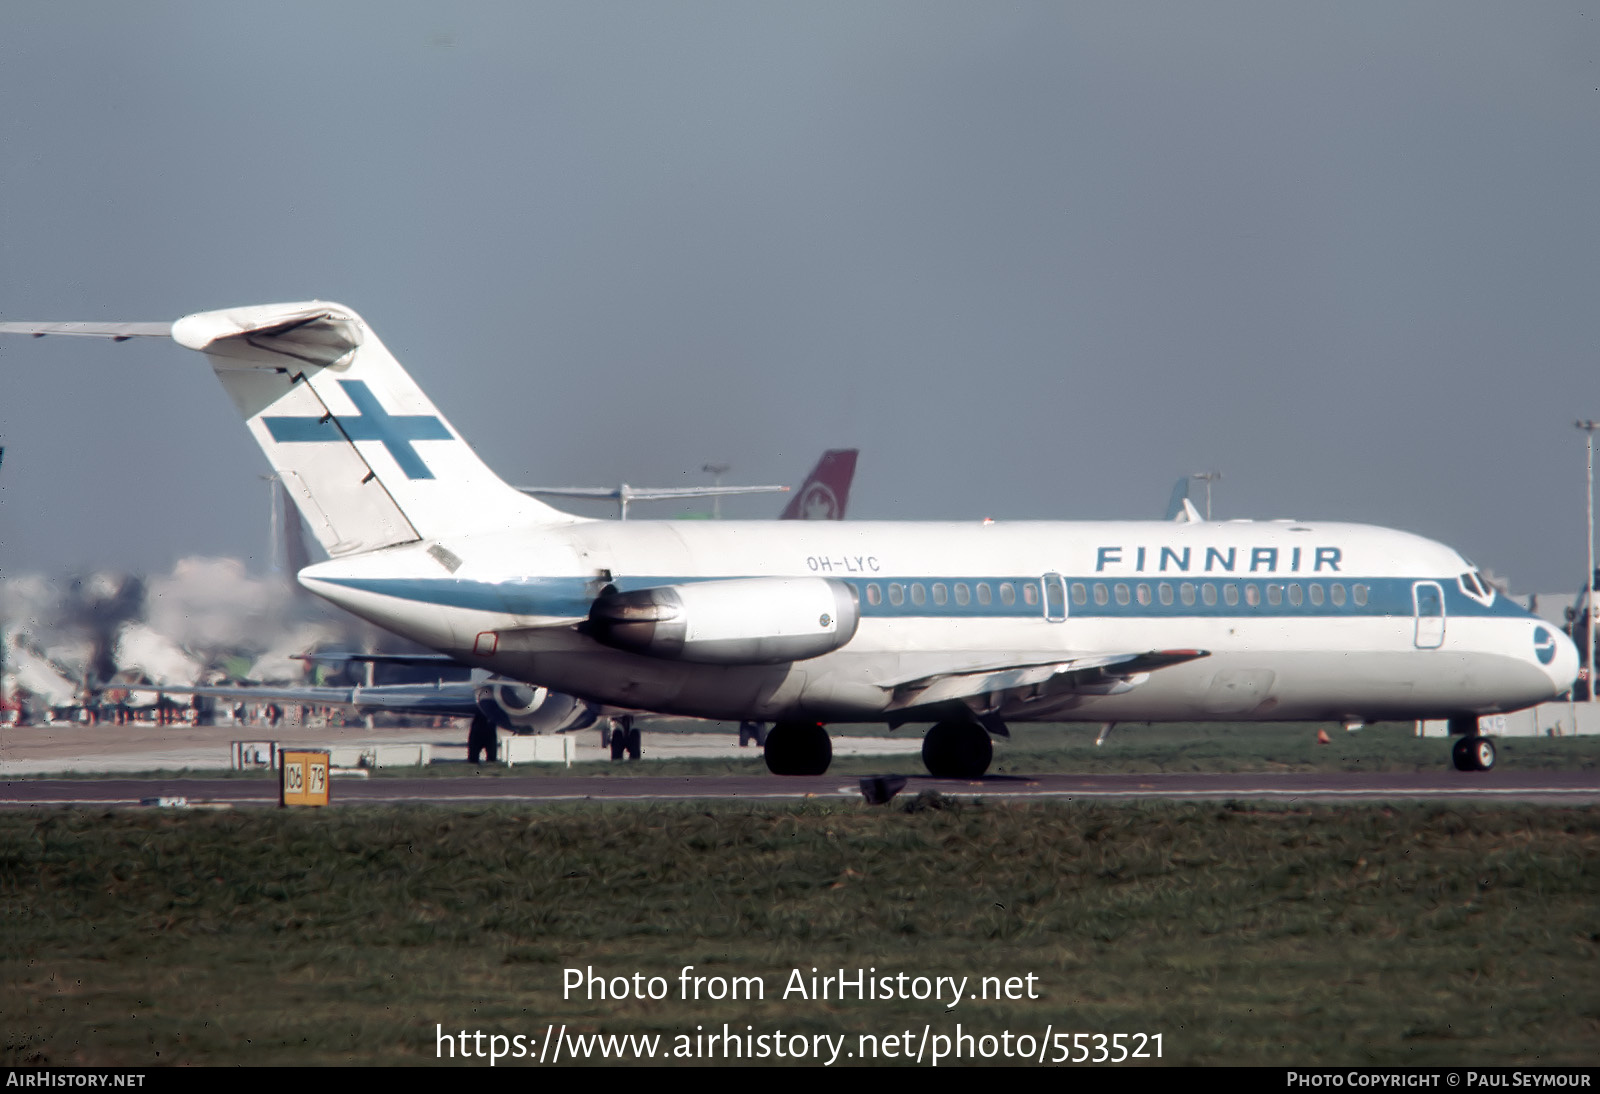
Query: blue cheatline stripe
(370, 423)
(570, 597)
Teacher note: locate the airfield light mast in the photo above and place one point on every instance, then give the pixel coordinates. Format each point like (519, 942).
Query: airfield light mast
(716, 471)
(1207, 477)
(1588, 427)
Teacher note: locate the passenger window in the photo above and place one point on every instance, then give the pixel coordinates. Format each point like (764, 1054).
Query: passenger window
(1274, 595)
(940, 594)
(1101, 595)
(1316, 595)
(1164, 593)
(963, 594)
(1296, 594)
(1359, 593)
(1186, 592)
(1230, 593)
(874, 597)
(897, 594)
(1208, 593)
(1143, 593)
(984, 595)
(1080, 594)
(1336, 594)
(1008, 593)
(1030, 593)
(1252, 595)
(1122, 593)
(919, 595)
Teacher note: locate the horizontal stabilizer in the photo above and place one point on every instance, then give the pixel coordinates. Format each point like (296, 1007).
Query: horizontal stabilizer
(117, 332)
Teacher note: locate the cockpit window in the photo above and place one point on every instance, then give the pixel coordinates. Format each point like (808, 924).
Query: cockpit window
(1473, 584)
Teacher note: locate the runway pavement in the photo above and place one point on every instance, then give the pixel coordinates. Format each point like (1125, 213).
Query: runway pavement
(1563, 787)
(63, 749)
(108, 751)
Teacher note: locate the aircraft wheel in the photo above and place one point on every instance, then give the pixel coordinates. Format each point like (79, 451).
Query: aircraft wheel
(480, 739)
(1473, 754)
(957, 750)
(619, 743)
(798, 748)
(635, 743)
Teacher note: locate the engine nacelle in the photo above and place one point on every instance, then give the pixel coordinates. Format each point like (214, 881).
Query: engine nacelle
(741, 621)
(525, 708)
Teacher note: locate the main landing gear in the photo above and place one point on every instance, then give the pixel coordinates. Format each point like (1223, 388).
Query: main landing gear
(798, 748)
(957, 750)
(626, 741)
(1471, 752)
(482, 738)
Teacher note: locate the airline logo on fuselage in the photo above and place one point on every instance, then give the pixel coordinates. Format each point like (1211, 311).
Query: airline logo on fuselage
(1218, 560)
(1544, 645)
(370, 423)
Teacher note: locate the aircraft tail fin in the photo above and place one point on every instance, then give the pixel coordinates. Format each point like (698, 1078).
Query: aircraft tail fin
(1180, 497)
(292, 537)
(366, 456)
(826, 492)
(1180, 509)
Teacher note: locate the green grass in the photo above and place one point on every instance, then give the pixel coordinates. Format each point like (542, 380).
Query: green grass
(1245, 935)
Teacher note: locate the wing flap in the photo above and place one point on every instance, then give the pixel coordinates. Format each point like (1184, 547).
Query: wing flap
(965, 683)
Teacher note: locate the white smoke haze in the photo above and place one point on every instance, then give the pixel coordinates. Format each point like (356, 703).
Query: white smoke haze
(193, 625)
(154, 656)
(35, 675)
(211, 605)
(30, 604)
(279, 666)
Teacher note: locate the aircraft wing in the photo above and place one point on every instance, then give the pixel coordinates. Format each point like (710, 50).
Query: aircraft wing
(447, 700)
(649, 493)
(415, 659)
(967, 681)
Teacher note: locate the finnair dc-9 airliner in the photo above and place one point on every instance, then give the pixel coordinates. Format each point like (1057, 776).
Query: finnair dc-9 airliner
(966, 626)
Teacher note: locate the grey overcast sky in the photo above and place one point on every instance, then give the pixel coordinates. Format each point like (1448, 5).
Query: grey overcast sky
(1035, 259)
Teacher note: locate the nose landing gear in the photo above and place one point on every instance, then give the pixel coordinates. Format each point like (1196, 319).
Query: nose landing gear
(1473, 754)
(1472, 751)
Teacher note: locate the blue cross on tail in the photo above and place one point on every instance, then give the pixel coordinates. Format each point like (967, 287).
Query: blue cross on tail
(370, 423)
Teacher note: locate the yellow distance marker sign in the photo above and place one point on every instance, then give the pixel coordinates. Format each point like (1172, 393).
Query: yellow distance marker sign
(302, 777)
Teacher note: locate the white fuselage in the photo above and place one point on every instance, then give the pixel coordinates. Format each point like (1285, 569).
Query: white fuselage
(1300, 621)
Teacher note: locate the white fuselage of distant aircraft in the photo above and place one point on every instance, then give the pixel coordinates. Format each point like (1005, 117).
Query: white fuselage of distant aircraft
(966, 625)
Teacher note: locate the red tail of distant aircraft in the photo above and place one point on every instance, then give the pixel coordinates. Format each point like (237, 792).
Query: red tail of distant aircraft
(826, 491)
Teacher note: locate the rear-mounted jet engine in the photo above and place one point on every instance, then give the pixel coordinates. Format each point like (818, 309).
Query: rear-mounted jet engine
(742, 621)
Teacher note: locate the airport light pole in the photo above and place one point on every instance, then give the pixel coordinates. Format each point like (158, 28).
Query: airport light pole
(1588, 428)
(1207, 477)
(716, 471)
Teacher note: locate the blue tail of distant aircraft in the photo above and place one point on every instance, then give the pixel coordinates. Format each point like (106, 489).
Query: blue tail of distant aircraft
(1179, 508)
